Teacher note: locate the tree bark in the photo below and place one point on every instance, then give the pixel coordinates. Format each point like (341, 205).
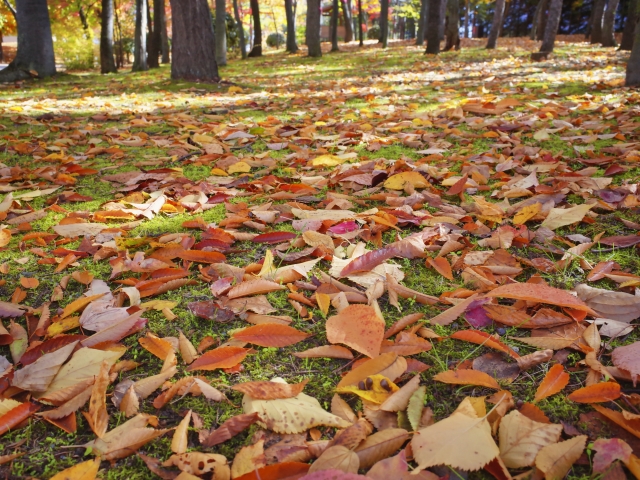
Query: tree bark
(292, 45)
(334, 26)
(630, 25)
(550, 30)
(608, 37)
(360, 32)
(221, 32)
(256, 50)
(107, 62)
(140, 38)
(453, 25)
(443, 17)
(240, 27)
(348, 20)
(153, 47)
(384, 23)
(422, 22)
(434, 20)
(313, 28)
(536, 19)
(467, 14)
(192, 42)
(596, 26)
(496, 24)
(35, 43)
(633, 65)
(164, 37)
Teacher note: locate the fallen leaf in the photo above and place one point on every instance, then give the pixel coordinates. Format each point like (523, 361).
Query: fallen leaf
(554, 381)
(597, 393)
(557, 459)
(467, 377)
(522, 438)
(270, 335)
(359, 327)
(270, 390)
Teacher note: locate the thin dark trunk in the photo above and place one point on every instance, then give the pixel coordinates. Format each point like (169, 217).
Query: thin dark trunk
(541, 22)
(333, 27)
(292, 45)
(313, 28)
(256, 50)
(155, 39)
(550, 30)
(496, 24)
(221, 32)
(467, 14)
(83, 18)
(608, 37)
(240, 27)
(443, 16)
(596, 26)
(152, 50)
(536, 19)
(192, 42)
(630, 25)
(164, 37)
(360, 33)
(434, 20)
(422, 22)
(1, 54)
(140, 38)
(384, 23)
(453, 25)
(107, 63)
(348, 20)
(633, 65)
(35, 43)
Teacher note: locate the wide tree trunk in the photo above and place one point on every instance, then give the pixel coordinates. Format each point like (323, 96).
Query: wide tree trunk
(348, 20)
(107, 61)
(434, 20)
(192, 42)
(550, 30)
(496, 25)
(35, 44)
(360, 20)
(422, 22)
(633, 66)
(596, 25)
(630, 25)
(608, 37)
(140, 38)
(333, 26)
(289, 11)
(256, 50)
(384, 23)
(313, 28)
(221, 32)
(452, 32)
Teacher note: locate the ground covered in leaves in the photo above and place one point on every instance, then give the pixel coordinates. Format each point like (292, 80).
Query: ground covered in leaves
(441, 251)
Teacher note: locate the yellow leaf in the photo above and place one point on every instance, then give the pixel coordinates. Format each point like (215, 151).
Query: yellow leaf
(219, 172)
(62, 326)
(526, 213)
(198, 137)
(240, 167)
(559, 217)
(234, 89)
(374, 390)
(82, 471)
(399, 180)
(556, 460)
(328, 161)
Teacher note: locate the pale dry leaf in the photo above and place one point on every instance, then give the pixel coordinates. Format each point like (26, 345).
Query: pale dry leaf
(521, 439)
(556, 460)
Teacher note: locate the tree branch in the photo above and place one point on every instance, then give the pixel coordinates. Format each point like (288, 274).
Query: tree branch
(11, 8)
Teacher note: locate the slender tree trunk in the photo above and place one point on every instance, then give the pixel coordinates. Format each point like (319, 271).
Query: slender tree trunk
(313, 28)
(221, 32)
(192, 42)
(140, 38)
(153, 48)
(240, 27)
(107, 63)
(496, 24)
(348, 20)
(384, 23)
(596, 26)
(453, 25)
(550, 30)
(630, 25)
(633, 66)
(443, 17)
(164, 37)
(335, 14)
(35, 43)
(608, 37)
(292, 46)
(360, 20)
(155, 39)
(256, 50)
(536, 19)
(467, 14)
(1, 53)
(422, 22)
(434, 20)
(541, 21)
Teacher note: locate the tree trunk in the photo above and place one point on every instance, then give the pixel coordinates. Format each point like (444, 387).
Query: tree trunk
(35, 44)
(608, 27)
(536, 19)
(140, 38)
(360, 33)
(1, 53)
(541, 22)
(630, 25)
(107, 62)
(240, 27)
(333, 26)
(221, 32)
(453, 25)
(434, 20)
(550, 30)
(192, 42)
(443, 17)
(313, 28)
(256, 50)
(422, 22)
(348, 20)
(496, 24)
(633, 65)
(292, 46)
(154, 46)
(164, 37)
(596, 26)
(384, 23)
(467, 14)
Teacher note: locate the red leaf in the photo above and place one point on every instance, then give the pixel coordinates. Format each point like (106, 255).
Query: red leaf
(222, 357)
(51, 345)
(201, 256)
(16, 415)
(274, 237)
(458, 187)
(270, 335)
(368, 261)
(230, 428)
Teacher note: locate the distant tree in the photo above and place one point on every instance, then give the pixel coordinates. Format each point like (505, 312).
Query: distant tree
(608, 37)
(192, 42)
(335, 14)
(290, 7)
(496, 24)
(256, 50)
(348, 20)
(384, 23)
(452, 30)
(313, 28)
(538, 22)
(220, 32)
(360, 20)
(633, 65)
(422, 22)
(35, 43)
(434, 20)
(596, 22)
(630, 25)
(107, 60)
(240, 28)
(550, 30)
(140, 38)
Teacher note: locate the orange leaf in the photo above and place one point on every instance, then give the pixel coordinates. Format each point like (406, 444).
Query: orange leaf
(222, 357)
(467, 377)
(388, 365)
(270, 335)
(270, 390)
(459, 186)
(201, 256)
(84, 277)
(29, 282)
(483, 338)
(78, 305)
(66, 261)
(359, 327)
(441, 266)
(157, 346)
(326, 351)
(597, 393)
(5, 237)
(539, 292)
(554, 381)
(16, 416)
(279, 471)
(254, 287)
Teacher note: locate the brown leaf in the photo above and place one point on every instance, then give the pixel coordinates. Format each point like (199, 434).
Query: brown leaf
(541, 293)
(180, 439)
(16, 416)
(467, 377)
(222, 357)
(556, 460)
(97, 417)
(155, 345)
(254, 287)
(270, 390)
(279, 471)
(337, 457)
(628, 358)
(380, 445)
(230, 428)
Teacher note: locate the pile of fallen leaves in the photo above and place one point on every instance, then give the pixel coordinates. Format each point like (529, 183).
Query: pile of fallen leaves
(348, 221)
